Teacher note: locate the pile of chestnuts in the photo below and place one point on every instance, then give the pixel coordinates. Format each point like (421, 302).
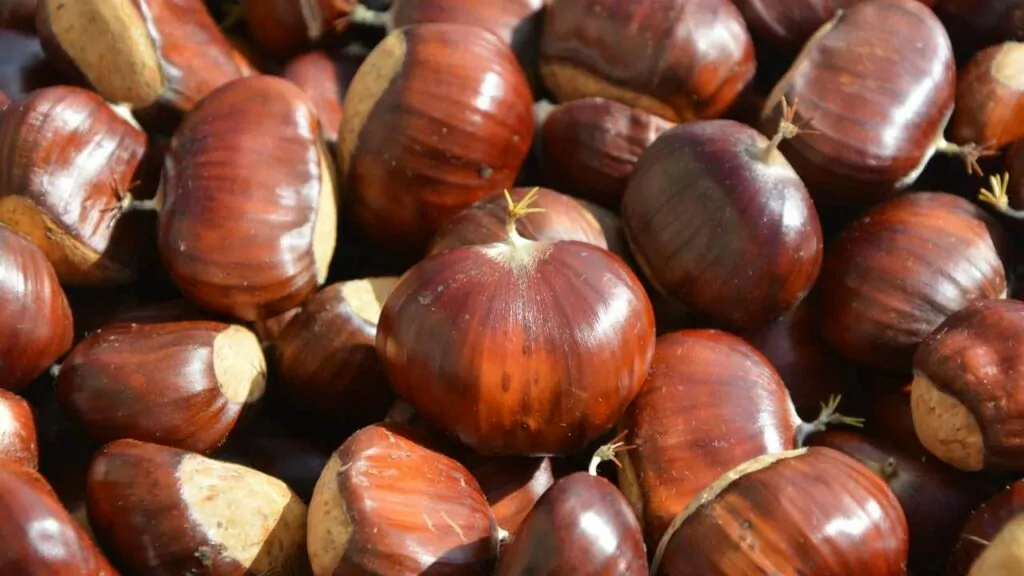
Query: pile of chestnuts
(511, 287)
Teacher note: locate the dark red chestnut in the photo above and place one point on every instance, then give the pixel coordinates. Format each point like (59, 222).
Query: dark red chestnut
(414, 155)
(990, 97)
(389, 503)
(719, 221)
(679, 59)
(284, 27)
(181, 384)
(18, 444)
(896, 273)
(983, 525)
(807, 511)
(36, 327)
(163, 511)
(325, 78)
(18, 15)
(243, 233)
(518, 347)
(590, 146)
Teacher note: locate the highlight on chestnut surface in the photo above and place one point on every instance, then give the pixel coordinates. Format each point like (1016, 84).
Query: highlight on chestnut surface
(18, 442)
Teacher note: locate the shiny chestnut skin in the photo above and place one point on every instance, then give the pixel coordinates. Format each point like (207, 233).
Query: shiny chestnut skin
(141, 52)
(18, 15)
(282, 28)
(410, 171)
(983, 525)
(679, 59)
(719, 221)
(36, 327)
(512, 485)
(38, 535)
(325, 78)
(975, 24)
(990, 97)
(897, 272)
(778, 514)
(590, 146)
(857, 81)
(162, 512)
(388, 502)
(242, 233)
(18, 443)
(568, 532)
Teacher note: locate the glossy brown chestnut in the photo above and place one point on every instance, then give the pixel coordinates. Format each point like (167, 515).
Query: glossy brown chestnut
(974, 24)
(243, 233)
(679, 59)
(141, 52)
(897, 272)
(163, 511)
(983, 526)
(18, 15)
(590, 146)
(181, 384)
(326, 359)
(560, 217)
(284, 27)
(888, 412)
(325, 78)
(875, 86)
(36, 327)
(70, 160)
(780, 513)
(18, 444)
(387, 503)
(990, 97)
(437, 117)
(512, 485)
(37, 535)
(719, 221)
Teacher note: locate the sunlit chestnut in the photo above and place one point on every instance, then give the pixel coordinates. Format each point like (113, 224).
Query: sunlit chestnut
(413, 155)
(591, 145)
(779, 514)
(719, 221)
(892, 276)
(18, 15)
(162, 511)
(324, 77)
(242, 232)
(282, 28)
(990, 97)
(711, 402)
(975, 24)
(181, 384)
(18, 444)
(983, 525)
(141, 52)
(518, 347)
(679, 59)
(512, 485)
(389, 503)
(36, 327)
(23, 64)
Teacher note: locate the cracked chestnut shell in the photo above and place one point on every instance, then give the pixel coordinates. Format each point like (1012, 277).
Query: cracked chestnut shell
(990, 97)
(18, 442)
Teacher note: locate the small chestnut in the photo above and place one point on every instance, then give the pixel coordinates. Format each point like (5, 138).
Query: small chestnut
(18, 443)
(990, 97)
(1004, 555)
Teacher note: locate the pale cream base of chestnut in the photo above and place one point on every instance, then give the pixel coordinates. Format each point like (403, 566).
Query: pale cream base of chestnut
(325, 226)
(945, 426)
(239, 365)
(367, 296)
(249, 516)
(329, 527)
(74, 262)
(1005, 555)
(568, 82)
(109, 42)
(1008, 67)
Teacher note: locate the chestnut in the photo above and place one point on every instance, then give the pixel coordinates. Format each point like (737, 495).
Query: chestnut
(18, 15)
(36, 328)
(1003, 555)
(983, 525)
(282, 28)
(518, 347)
(990, 97)
(780, 513)
(389, 503)
(18, 443)
(680, 59)
(38, 535)
(243, 233)
(413, 155)
(512, 485)
(325, 78)
(326, 357)
(898, 271)
(720, 222)
(164, 511)
(590, 146)
(141, 52)
(182, 384)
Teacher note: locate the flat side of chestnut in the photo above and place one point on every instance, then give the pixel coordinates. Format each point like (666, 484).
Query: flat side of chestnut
(990, 97)
(18, 442)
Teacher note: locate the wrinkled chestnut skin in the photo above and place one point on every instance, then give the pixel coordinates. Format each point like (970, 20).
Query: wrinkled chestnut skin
(325, 78)
(565, 533)
(283, 27)
(18, 443)
(710, 402)
(896, 273)
(726, 232)
(974, 24)
(782, 520)
(590, 146)
(857, 85)
(36, 327)
(983, 525)
(512, 485)
(990, 97)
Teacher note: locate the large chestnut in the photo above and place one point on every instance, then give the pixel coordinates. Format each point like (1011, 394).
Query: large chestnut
(905, 265)
(437, 117)
(325, 78)
(36, 327)
(18, 443)
(781, 513)
(679, 59)
(518, 347)
(163, 511)
(983, 525)
(242, 232)
(182, 384)
(720, 222)
(990, 97)
(389, 503)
